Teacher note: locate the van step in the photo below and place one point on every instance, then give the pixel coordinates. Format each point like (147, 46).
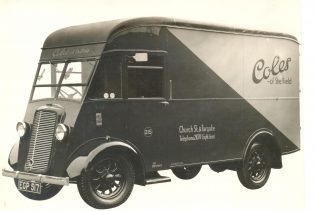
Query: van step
(155, 177)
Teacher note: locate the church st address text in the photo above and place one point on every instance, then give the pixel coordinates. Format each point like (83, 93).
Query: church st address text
(196, 132)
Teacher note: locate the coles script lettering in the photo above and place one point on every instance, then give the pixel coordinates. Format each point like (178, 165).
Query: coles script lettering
(269, 72)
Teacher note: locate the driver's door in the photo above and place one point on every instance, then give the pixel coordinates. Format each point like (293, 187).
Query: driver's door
(147, 107)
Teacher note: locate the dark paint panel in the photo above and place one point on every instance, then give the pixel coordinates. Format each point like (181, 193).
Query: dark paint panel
(112, 123)
(147, 129)
(216, 130)
(149, 38)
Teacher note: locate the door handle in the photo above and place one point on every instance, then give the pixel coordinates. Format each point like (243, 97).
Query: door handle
(164, 103)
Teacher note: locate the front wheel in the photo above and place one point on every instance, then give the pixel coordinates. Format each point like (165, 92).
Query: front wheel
(47, 191)
(107, 182)
(186, 173)
(254, 171)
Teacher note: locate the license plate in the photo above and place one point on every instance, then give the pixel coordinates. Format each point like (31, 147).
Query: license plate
(29, 186)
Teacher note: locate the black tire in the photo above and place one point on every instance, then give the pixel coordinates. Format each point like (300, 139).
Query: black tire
(107, 182)
(217, 167)
(254, 171)
(186, 173)
(47, 191)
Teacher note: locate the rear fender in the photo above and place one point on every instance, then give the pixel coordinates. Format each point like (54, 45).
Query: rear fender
(266, 137)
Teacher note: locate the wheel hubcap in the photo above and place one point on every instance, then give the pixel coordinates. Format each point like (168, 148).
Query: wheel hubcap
(107, 178)
(257, 166)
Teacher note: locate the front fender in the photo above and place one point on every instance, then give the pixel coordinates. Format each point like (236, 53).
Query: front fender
(76, 166)
(13, 156)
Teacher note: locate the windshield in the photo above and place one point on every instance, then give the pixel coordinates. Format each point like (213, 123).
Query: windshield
(65, 80)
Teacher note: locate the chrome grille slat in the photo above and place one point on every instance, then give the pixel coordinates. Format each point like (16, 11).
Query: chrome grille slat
(43, 137)
(41, 141)
(44, 128)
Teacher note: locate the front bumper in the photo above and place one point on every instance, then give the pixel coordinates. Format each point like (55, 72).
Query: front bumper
(36, 177)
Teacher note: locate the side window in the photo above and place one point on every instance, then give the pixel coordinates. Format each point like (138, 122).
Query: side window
(145, 76)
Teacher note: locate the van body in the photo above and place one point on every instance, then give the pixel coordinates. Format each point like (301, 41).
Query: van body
(115, 102)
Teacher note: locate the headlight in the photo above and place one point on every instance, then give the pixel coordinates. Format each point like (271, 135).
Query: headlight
(61, 132)
(21, 128)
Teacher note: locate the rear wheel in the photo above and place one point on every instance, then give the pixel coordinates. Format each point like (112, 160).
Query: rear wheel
(107, 182)
(186, 173)
(255, 168)
(47, 191)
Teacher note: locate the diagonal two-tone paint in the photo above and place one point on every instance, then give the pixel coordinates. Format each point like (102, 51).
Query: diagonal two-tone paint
(233, 59)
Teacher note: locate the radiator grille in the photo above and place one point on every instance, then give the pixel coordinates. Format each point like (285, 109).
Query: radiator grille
(41, 141)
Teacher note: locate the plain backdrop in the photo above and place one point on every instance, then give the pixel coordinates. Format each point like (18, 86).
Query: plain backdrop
(24, 25)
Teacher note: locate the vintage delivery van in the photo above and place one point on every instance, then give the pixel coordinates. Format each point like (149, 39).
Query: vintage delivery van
(115, 102)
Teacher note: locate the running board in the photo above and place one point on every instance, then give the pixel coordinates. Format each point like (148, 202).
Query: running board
(155, 177)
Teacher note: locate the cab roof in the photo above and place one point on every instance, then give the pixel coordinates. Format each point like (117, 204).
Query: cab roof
(101, 32)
